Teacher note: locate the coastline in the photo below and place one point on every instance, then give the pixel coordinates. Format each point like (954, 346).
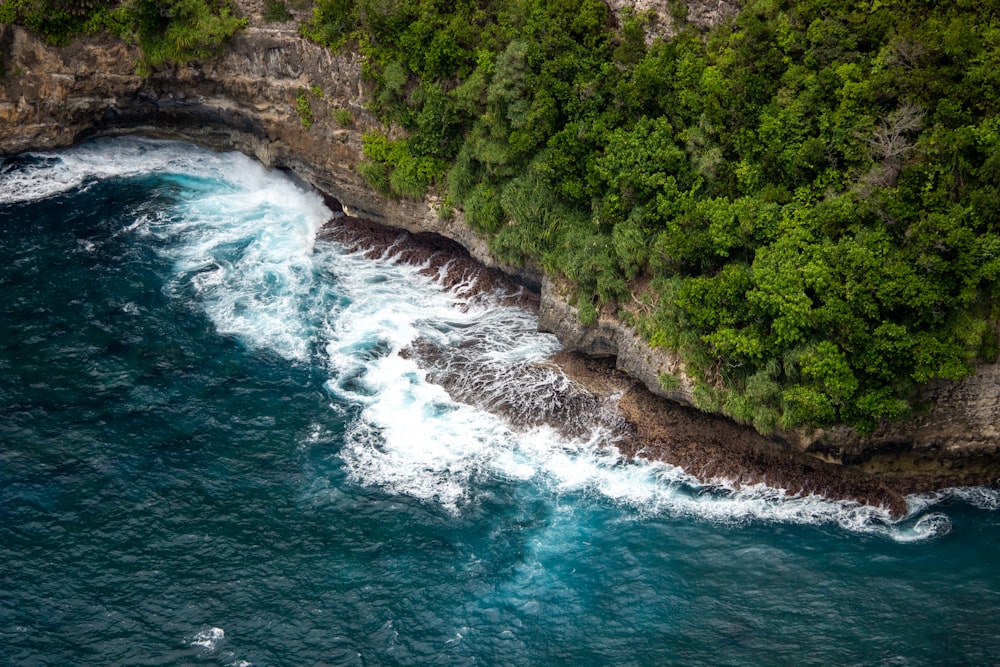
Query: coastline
(711, 448)
(245, 101)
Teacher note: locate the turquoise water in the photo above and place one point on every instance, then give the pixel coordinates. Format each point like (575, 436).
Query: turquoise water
(213, 450)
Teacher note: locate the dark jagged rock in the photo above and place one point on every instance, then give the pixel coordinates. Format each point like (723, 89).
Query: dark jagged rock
(438, 257)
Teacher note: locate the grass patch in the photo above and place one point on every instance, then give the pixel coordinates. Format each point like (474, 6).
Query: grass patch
(343, 117)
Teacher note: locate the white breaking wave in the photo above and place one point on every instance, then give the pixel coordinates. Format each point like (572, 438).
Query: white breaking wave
(241, 237)
(977, 496)
(248, 256)
(414, 439)
(209, 638)
(46, 174)
(242, 243)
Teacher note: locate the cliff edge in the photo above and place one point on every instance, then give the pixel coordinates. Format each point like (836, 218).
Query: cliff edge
(295, 105)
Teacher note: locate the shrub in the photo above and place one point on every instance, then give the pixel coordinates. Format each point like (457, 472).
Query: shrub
(482, 209)
(275, 11)
(304, 108)
(377, 175)
(343, 117)
(668, 381)
(55, 20)
(332, 22)
(179, 31)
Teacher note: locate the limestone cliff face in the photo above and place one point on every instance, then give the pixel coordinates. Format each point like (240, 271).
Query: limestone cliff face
(247, 100)
(663, 16)
(609, 337)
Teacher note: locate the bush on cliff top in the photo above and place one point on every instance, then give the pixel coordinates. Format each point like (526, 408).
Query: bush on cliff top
(57, 20)
(179, 31)
(801, 201)
(167, 31)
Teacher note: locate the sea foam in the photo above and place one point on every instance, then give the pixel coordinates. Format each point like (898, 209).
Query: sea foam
(209, 638)
(242, 242)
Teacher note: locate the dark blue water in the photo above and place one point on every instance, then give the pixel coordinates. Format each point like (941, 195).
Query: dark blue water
(212, 451)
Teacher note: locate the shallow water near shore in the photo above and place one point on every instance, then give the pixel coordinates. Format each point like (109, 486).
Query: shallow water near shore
(216, 446)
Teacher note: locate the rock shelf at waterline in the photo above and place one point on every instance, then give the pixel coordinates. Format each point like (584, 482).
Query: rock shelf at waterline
(712, 449)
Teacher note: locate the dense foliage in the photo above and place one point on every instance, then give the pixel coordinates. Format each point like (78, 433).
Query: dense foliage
(167, 31)
(802, 202)
(57, 20)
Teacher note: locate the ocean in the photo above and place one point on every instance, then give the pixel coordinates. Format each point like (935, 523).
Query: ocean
(218, 446)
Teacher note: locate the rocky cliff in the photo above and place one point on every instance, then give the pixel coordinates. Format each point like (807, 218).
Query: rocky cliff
(661, 17)
(251, 99)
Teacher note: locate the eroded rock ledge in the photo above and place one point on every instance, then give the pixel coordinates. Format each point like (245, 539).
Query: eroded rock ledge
(246, 100)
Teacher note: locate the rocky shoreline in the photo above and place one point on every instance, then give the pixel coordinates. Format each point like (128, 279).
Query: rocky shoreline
(711, 448)
(246, 100)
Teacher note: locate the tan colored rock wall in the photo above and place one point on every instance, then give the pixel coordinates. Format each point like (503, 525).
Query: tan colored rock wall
(664, 15)
(609, 337)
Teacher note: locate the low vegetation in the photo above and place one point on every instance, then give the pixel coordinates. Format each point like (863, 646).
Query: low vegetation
(275, 11)
(167, 31)
(343, 117)
(304, 108)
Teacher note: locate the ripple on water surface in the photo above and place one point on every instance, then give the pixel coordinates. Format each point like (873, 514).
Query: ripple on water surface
(226, 441)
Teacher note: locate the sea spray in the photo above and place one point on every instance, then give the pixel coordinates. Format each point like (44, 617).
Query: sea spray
(451, 383)
(333, 485)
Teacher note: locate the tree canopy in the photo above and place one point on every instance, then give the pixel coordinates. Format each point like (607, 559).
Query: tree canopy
(801, 201)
